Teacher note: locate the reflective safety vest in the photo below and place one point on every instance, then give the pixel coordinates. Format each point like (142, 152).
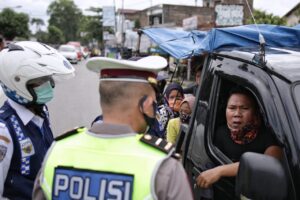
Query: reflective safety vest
(85, 166)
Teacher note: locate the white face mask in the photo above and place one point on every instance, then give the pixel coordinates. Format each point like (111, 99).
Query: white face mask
(44, 93)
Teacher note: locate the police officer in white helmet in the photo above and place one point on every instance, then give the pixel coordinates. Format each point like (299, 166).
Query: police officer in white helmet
(27, 73)
(114, 159)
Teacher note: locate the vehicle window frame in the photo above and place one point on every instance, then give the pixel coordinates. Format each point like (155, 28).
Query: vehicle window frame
(222, 76)
(194, 122)
(294, 95)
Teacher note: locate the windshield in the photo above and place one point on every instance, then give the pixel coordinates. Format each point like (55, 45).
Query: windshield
(67, 49)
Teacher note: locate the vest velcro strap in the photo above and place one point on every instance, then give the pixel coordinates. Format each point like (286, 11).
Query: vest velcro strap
(157, 143)
(69, 133)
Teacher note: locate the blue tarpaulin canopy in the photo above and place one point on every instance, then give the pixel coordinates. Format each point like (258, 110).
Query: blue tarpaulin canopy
(183, 44)
(179, 44)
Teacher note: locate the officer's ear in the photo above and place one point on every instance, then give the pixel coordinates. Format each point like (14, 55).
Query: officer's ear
(146, 104)
(142, 103)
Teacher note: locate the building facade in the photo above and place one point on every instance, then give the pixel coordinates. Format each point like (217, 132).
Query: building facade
(215, 13)
(293, 16)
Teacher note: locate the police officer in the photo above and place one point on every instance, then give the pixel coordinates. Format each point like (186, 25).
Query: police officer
(26, 76)
(110, 160)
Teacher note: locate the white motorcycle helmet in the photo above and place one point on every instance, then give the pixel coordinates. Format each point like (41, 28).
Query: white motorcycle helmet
(24, 61)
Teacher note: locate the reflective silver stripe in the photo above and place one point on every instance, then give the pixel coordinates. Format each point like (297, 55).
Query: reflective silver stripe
(125, 79)
(43, 181)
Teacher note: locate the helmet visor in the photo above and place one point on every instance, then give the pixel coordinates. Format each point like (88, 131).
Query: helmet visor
(39, 81)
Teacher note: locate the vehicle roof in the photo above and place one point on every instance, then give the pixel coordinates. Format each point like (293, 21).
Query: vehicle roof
(283, 61)
(77, 44)
(67, 45)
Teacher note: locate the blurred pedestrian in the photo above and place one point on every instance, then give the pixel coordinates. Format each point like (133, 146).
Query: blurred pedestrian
(26, 76)
(185, 112)
(174, 95)
(162, 112)
(112, 160)
(192, 89)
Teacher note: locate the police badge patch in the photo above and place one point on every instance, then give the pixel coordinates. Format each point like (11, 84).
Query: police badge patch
(3, 150)
(27, 148)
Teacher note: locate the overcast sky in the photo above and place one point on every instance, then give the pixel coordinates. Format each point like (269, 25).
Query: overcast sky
(37, 8)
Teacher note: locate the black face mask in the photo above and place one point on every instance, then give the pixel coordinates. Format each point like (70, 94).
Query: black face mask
(149, 120)
(185, 118)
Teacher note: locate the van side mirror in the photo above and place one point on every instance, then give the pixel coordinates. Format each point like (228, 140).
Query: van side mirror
(261, 177)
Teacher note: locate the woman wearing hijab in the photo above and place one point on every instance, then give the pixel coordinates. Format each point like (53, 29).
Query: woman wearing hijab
(185, 112)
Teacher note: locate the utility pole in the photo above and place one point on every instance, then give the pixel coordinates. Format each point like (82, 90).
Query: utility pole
(122, 28)
(115, 29)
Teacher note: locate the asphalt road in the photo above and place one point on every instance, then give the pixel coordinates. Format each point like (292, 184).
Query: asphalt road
(76, 101)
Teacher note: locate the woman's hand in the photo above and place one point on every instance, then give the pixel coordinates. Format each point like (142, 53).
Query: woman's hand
(208, 177)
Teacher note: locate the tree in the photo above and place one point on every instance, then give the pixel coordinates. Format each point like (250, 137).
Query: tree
(261, 17)
(91, 26)
(13, 24)
(38, 23)
(42, 36)
(55, 35)
(137, 24)
(65, 15)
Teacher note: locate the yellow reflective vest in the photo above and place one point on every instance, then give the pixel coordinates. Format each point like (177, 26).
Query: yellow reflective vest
(92, 167)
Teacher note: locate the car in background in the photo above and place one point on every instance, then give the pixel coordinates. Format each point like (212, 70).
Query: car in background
(78, 48)
(69, 52)
(85, 52)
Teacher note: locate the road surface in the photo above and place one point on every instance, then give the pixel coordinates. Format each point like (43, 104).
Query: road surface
(76, 101)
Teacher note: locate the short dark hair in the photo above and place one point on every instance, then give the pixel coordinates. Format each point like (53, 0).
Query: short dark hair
(120, 93)
(197, 63)
(242, 90)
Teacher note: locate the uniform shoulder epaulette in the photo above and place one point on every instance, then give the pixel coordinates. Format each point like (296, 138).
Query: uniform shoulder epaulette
(158, 143)
(68, 133)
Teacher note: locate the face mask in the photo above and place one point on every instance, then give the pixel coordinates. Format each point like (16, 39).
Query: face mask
(149, 120)
(185, 118)
(44, 93)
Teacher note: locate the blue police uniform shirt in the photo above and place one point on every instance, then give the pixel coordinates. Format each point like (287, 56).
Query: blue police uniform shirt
(30, 137)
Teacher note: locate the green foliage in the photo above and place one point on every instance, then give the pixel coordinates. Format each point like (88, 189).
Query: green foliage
(13, 24)
(38, 23)
(42, 36)
(65, 15)
(137, 24)
(55, 35)
(262, 17)
(91, 27)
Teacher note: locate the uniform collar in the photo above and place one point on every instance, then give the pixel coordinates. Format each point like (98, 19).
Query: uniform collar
(111, 129)
(25, 114)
